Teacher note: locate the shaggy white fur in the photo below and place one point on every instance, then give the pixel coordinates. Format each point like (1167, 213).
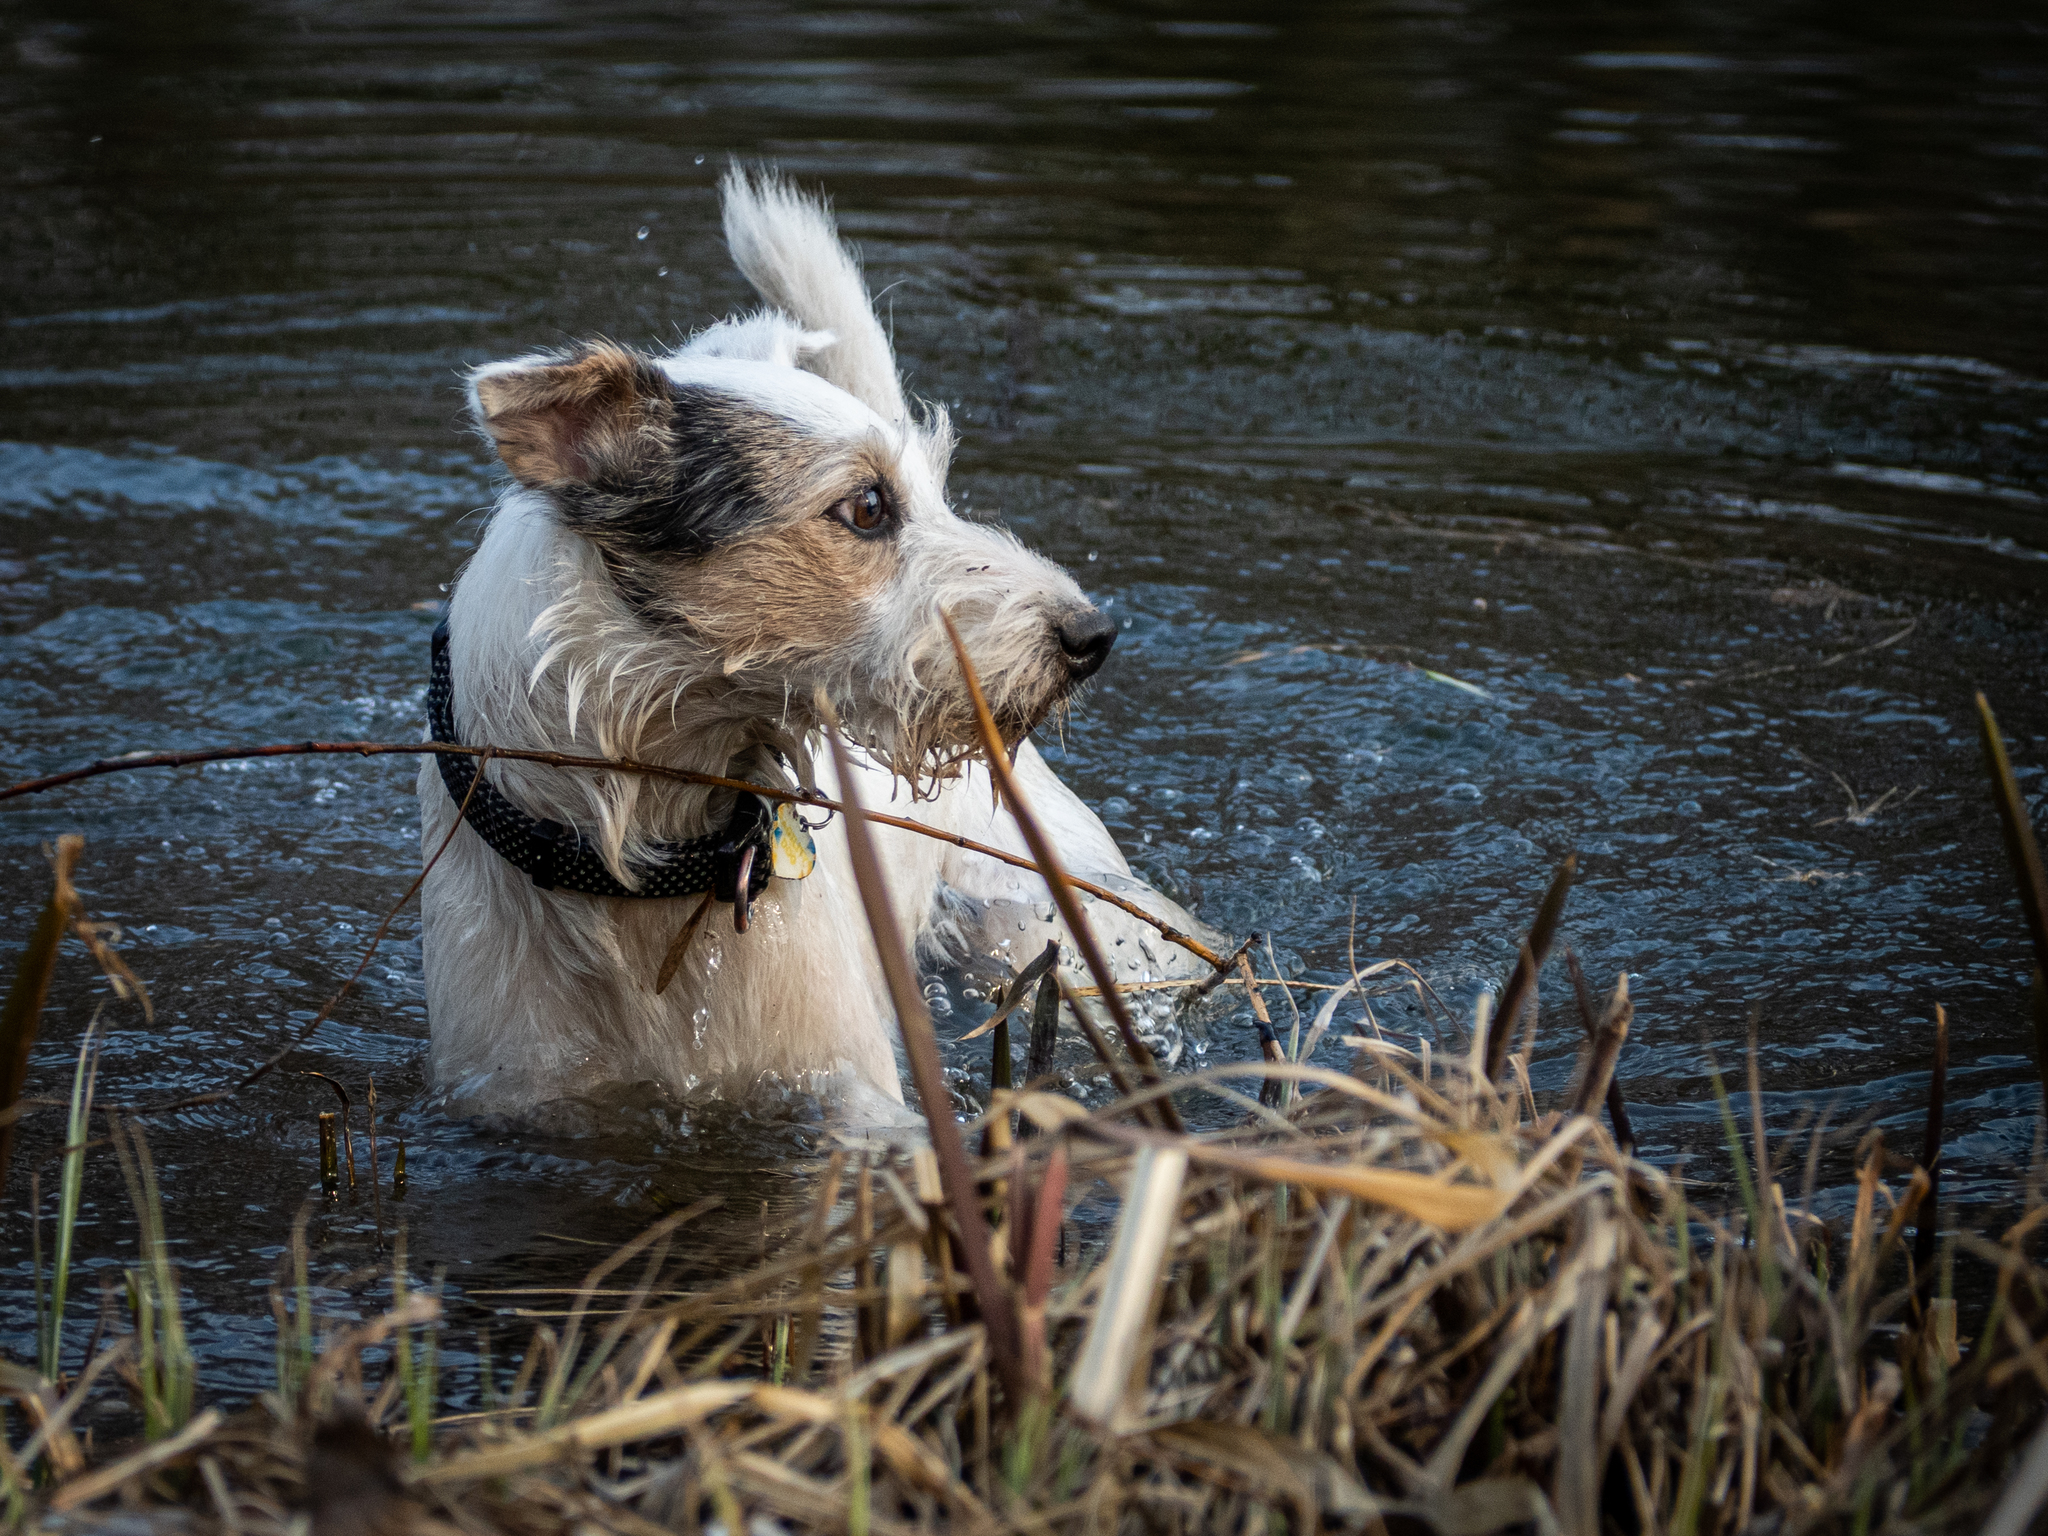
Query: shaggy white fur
(560, 641)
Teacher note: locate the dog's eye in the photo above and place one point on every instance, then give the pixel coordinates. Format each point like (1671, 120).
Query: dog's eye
(865, 511)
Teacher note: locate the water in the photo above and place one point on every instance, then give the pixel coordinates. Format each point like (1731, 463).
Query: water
(1674, 383)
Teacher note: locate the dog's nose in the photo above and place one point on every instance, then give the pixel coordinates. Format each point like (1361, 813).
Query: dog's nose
(1085, 635)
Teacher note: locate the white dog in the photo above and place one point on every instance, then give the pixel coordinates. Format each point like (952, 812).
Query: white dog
(697, 546)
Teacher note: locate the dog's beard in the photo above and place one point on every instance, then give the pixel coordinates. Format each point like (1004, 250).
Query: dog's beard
(932, 745)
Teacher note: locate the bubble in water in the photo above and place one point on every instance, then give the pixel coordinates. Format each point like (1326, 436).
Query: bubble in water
(661, 272)
(700, 159)
(640, 233)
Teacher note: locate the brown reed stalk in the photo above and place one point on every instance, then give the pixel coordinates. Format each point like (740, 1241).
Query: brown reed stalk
(998, 1314)
(330, 1164)
(31, 990)
(1045, 1031)
(1521, 987)
(347, 1136)
(1050, 867)
(376, 1180)
(1617, 1107)
(2023, 853)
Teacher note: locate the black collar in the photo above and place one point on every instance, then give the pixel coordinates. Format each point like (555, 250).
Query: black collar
(560, 858)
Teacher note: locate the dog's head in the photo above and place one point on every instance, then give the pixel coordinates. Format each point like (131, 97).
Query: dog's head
(763, 501)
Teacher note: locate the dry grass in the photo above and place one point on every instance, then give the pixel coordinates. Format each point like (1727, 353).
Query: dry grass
(1408, 1298)
(1416, 1298)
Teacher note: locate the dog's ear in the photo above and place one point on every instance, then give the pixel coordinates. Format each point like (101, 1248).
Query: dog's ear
(786, 245)
(596, 416)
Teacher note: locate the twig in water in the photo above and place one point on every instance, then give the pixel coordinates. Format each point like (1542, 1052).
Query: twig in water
(1858, 814)
(330, 1173)
(1799, 876)
(1221, 974)
(1045, 1031)
(376, 1184)
(1607, 1044)
(348, 1138)
(1750, 674)
(1269, 1042)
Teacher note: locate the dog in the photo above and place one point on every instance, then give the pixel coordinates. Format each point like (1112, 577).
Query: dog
(703, 557)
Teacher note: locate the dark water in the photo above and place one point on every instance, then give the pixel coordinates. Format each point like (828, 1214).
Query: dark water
(1677, 380)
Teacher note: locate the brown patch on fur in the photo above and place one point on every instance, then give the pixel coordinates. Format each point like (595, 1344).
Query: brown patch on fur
(795, 592)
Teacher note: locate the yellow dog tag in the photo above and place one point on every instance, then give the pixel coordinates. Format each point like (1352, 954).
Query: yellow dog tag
(795, 854)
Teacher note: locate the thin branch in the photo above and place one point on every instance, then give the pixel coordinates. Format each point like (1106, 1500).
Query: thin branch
(809, 797)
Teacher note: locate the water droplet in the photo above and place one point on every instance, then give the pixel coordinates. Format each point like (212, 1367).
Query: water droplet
(1091, 557)
(700, 159)
(640, 233)
(661, 272)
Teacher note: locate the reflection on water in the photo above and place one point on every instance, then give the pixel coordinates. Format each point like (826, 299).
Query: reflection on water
(1500, 430)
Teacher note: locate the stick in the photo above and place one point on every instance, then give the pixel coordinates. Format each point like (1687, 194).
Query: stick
(810, 797)
(998, 1314)
(348, 1138)
(1269, 1043)
(1055, 875)
(1224, 967)
(1045, 1030)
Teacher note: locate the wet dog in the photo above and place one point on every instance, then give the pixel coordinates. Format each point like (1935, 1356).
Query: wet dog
(697, 547)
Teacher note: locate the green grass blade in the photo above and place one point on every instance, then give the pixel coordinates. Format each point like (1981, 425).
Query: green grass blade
(75, 1129)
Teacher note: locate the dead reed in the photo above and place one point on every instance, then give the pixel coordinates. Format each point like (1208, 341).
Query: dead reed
(1414, 1295)
(1412, 1301)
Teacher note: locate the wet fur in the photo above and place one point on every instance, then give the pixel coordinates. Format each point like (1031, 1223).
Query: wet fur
(662, 582)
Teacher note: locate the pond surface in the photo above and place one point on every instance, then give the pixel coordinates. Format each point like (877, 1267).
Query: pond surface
(1502, 430)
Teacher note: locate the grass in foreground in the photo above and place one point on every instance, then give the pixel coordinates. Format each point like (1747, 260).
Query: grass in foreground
(1412, 1302)
(1414, 1299)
